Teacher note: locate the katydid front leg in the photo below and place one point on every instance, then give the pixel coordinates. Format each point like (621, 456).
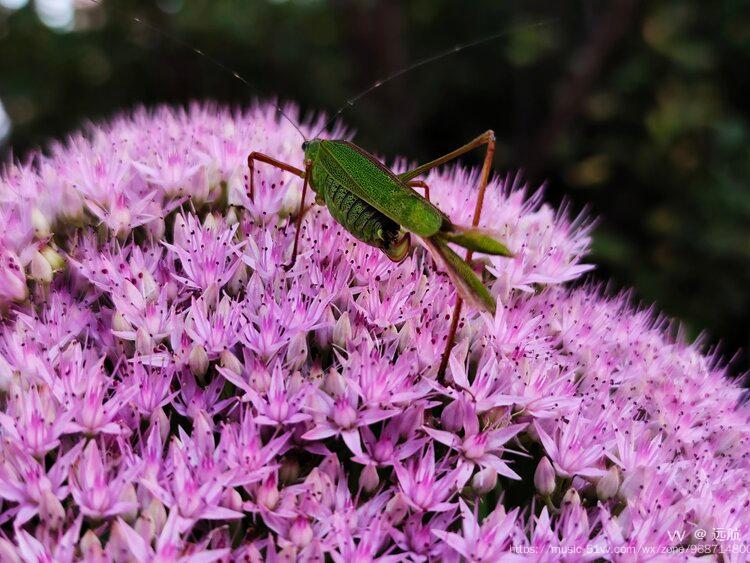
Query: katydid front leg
(260, 157)
(300, 213)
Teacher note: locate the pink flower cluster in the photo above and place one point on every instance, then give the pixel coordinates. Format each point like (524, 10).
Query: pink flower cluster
(169, 392)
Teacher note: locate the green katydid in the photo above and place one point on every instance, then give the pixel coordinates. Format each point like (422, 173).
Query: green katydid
(380, 207)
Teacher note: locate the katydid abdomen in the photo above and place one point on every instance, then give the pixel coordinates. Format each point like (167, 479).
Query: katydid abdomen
(359, 218)
(365, 223)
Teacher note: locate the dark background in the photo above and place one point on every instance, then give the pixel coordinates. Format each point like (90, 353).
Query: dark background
(638, 109)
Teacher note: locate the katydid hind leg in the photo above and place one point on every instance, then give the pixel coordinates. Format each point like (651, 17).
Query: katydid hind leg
(476, 239)
(474, 242)
(420, 184)
(469, 285)
(487, 138)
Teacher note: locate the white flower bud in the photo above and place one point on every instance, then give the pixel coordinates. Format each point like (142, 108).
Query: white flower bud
(144, 344)
(555, 326)
(120, 323)
(91, 547)
(40, 269)
(544, 477)
(267, 494)
(157, 227)
(51, 510)
(39, 222)
(405, 335)
(452, 416)
(342, 330)
(369, 479)
(117, 544)
(232, 499)
(331, 466)
(156, 512)
(211, 292)
(225, 306)
(484, 481)
(198, 361)
(571, 496)
(229, 361)
(632, 483)
(231, 217)
(324, 334)
(150, 289)
(160, 418)
(6, 374)
(396, 509)
(296, 382)
(290, 202)
(296, 352)
(300, 532)
(128, 495)
(210, 222)
(334, 383)
(260, 378)
(12, 278)
(238, 281)
(180, 233)
(607, 486)
(172, 289)
(344, 415)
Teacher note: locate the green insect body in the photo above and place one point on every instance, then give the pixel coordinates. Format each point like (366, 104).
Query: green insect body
(379, 208)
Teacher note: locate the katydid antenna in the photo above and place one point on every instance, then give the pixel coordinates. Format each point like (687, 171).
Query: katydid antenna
(227, 69)
(351, 101)
(427, 60)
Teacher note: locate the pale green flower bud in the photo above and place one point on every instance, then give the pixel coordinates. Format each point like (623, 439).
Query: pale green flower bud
(544, 477)
(91, 547)
(40, 222)
(198, 361)
(40, 269)
(342, 330)
(369, 479)
(484, 481)
(229, 361)
(571, 497)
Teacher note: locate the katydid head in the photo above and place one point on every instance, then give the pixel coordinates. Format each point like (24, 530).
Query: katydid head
(310, 147)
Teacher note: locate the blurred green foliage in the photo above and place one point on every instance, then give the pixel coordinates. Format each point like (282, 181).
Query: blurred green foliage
(639, 110)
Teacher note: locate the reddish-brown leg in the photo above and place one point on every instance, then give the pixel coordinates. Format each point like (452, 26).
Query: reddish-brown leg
(489, 139)
(300, 213)
(420, 184)
(260, 157)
